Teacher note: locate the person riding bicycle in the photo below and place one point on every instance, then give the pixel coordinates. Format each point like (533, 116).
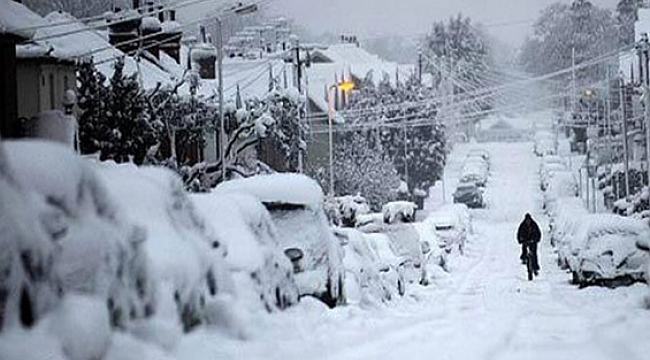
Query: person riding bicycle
(528, 236)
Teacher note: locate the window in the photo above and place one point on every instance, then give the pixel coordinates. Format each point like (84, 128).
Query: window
(66, 83)
(52, 104)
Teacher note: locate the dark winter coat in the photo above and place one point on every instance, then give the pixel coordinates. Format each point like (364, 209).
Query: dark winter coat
(528, 231)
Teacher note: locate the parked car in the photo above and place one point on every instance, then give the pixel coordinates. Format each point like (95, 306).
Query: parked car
(470, 194)
(405, 242)
(606, 251)
(452, 224)
(369, 278)
(399, 211)
(295, 204)
(264, 275)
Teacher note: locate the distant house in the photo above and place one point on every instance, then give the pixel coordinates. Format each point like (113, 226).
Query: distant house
(16, 26)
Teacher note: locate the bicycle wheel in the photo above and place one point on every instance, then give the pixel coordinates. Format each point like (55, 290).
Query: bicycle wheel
(530, 266)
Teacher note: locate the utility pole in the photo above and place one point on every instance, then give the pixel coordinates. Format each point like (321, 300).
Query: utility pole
(626, 157)
(420, 67)
(642, 48)
(222, 129)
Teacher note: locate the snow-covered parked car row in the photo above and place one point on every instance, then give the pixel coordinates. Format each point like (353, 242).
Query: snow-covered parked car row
(597, 249)
(127, 248)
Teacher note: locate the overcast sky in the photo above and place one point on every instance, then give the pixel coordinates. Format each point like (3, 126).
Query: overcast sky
(413, 17)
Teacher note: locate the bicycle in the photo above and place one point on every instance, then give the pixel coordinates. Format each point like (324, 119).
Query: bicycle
(530, 262)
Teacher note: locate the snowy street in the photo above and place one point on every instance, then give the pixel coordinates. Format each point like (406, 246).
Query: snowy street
(484, 309)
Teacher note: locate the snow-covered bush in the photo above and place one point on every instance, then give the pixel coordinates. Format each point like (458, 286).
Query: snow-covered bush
(187, 259)
(98, 252)
(263, 274)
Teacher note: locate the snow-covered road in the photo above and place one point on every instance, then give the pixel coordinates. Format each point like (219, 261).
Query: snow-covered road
(486, 309)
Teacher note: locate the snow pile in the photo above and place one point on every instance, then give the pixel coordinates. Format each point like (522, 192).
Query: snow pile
(263, 274)
(98, 252)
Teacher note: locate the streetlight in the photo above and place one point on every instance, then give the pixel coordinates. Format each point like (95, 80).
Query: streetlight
(344, 86)
(237, 10)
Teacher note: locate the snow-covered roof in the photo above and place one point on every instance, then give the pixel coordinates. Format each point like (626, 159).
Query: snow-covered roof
(348, 60)
(252, 76)
(79, 40)
(17, 19)
(277, 188)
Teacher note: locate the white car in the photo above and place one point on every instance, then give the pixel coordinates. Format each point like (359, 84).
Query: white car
(254, 255)
(399, 211)
(295, 203)
(370, 276)
(606, 251)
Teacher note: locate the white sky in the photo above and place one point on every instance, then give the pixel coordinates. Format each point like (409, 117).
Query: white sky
(413, 17)
(511, 19)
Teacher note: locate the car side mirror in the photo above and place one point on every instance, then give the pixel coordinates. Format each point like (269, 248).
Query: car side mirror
(295, 255)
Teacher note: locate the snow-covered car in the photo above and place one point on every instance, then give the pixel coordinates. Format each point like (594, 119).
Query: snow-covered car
(295, 203)
(254, 256)
(469, 194)
(405, 243)
(545, 143)
(606, 253)
(548, 170)
(74, 241)
(478, 152)
(369, 276)
(475, 170)
(399, 211)
(452, 225)
(187, 258)
(350, 207)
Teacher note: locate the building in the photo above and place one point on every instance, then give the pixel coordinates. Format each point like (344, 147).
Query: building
(16, 27)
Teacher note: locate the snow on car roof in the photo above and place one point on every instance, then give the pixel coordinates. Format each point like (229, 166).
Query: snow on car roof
(277, 188)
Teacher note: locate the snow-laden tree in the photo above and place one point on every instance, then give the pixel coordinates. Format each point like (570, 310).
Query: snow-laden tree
(285, 143)
(406, 130)
(582, 26)
(627, 13)
(361, 167)
(114, 122)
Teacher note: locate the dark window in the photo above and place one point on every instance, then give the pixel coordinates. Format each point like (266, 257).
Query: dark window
(66, 83)
(52, 106)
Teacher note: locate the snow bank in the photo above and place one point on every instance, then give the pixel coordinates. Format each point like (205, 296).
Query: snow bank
(278, 188)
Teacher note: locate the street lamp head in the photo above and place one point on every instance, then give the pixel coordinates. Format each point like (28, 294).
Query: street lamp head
(243, 9)
(345, 85)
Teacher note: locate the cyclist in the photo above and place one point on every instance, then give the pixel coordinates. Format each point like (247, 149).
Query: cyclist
(528, 236)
